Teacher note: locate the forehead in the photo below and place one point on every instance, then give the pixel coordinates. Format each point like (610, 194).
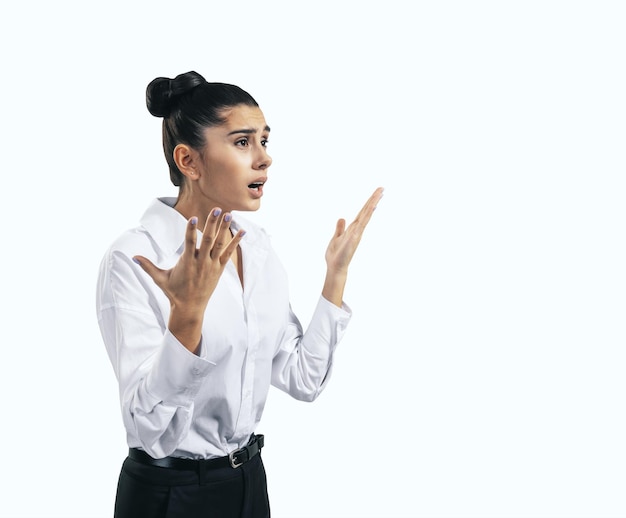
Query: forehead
(243, 116)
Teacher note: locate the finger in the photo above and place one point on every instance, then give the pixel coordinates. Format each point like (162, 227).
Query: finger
(209, 233)
(157, 274)
(372, 202)
(189, 251)
(231, 247)
(365, 214)
(223, 237)
(340, 228)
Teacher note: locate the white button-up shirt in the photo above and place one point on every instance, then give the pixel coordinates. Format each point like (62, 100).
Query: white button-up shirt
(177, 403)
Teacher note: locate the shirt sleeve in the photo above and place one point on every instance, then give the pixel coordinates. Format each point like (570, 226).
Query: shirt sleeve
(158, 377)
(303, 363)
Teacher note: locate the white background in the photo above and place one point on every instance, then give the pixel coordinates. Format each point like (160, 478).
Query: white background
(483, 371)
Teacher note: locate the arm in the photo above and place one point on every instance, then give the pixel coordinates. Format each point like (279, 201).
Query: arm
(303, 363)
(155, 358)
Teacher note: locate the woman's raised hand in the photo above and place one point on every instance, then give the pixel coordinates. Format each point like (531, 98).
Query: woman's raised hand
(342, 247)
(191, 282)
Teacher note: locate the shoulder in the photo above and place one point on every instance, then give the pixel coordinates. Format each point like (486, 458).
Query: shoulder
(131, 242)
(117, 263)
(158, 235)
(121, 282)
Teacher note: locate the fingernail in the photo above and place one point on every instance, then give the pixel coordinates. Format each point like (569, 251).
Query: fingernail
(194, 220)
(243, 233)
(135, 260)
(228, 217)
(217, 212)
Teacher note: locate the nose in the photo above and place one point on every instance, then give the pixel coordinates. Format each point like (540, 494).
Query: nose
(263, 160)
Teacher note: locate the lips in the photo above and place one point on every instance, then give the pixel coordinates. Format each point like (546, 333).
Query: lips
(256, 187)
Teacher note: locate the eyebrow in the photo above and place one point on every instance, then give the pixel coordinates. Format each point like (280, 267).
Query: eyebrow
(248, 131)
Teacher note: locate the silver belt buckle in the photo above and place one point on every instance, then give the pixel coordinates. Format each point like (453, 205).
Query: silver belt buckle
(232, 460)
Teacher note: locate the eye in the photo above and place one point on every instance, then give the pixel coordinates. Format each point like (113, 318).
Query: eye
(242, 142)
(265, 142)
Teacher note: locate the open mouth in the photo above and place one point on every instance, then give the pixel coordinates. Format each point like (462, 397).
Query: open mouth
(256, 188)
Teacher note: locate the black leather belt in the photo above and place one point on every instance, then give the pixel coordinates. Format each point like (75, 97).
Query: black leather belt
(233, 460)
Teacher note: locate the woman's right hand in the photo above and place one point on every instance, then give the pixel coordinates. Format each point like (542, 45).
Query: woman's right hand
(191, 282)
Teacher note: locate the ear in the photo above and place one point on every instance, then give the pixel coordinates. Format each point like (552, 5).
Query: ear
(188, 161)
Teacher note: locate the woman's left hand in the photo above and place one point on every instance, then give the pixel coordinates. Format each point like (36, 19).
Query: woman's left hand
(342, 247)
(346, 240)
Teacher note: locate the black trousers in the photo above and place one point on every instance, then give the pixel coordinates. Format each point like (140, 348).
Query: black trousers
(155, 492)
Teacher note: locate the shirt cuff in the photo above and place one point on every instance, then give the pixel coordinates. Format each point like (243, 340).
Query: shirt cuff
(177, 373)
(342, 313)
(328, 325)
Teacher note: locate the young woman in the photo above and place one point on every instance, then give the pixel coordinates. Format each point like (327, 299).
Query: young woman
(194, 311)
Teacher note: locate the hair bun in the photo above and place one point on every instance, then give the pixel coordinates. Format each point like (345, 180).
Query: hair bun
(162, 94)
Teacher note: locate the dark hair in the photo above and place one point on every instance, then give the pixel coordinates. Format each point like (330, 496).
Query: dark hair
(188, 105)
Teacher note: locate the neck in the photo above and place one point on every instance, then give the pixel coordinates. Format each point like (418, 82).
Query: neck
(190, 206)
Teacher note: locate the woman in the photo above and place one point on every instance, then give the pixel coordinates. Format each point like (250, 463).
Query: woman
(194, 311)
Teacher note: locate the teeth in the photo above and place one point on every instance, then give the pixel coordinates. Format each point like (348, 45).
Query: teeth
(255, 185)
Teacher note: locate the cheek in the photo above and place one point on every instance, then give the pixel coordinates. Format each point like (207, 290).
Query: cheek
(225, 166)
(228, 163)
(215, 169)
(223, 174)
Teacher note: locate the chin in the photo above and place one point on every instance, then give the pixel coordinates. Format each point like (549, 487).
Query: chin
(249, 207)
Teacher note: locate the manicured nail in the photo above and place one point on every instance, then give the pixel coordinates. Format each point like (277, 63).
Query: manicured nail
(217, 212)
(242, 233)
(228, 217)
(194, 220)
(135, 260)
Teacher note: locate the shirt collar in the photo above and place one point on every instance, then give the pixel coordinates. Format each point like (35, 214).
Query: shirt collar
(167, 227)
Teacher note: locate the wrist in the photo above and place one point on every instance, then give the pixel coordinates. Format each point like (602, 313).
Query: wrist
(338, 274)
(184, 315)
(334, 285)
(186, 326)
